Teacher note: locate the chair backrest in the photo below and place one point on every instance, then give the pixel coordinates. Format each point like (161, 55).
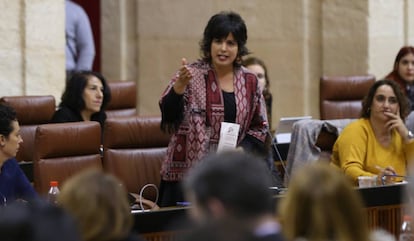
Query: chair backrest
(123, 99)
(31, 111)
(134, 148)
(341, 96)
(63, 149)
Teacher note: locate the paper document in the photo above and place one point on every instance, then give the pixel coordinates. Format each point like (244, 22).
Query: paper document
(229, 134)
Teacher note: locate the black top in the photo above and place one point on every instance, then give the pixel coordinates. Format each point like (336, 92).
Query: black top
(229, 107)
(65, 114)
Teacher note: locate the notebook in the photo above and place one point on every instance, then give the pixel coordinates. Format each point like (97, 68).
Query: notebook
(284, 128)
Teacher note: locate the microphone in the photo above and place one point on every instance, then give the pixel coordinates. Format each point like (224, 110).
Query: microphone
(276, 149)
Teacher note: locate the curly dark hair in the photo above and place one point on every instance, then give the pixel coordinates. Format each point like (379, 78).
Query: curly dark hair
(401, 98)
(7, 116)
(220, 26)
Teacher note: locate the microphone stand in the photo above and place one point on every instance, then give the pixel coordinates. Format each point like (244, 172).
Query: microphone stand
(276, 150)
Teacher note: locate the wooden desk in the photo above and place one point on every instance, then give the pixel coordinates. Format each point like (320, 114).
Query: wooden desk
(165, 224)
(384, 206)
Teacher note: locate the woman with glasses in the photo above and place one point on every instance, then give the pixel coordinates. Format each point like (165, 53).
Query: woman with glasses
(14, 185)
(379, 143)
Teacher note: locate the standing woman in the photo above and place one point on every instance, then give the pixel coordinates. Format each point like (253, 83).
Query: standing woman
(85, 98)
(403, 74)
(14, 184)
(206, 93)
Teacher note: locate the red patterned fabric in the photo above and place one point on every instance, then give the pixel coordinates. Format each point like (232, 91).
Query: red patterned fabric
(199, 132)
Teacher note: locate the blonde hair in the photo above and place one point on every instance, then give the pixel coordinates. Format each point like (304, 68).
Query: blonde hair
(99, 204)
(321, 204)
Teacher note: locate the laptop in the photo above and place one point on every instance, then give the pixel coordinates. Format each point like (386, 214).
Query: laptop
(284, 128)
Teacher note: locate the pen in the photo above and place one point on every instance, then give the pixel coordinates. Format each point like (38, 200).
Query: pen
(183, 204)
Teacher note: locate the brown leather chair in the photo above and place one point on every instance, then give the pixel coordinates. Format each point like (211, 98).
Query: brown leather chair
(63, 149)
(341, 98)
(134, 148)
(123, 99)
(31, 111)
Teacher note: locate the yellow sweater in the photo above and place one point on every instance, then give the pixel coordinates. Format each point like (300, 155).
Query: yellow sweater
(358, 153)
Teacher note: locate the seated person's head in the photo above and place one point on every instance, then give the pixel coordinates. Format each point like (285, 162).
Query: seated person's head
(258, 67)
(321, 204)
(86, 91)
(229, 184)
(10, 138)
(368, 104)
(99, 204)
(403, 64)
(36, 221)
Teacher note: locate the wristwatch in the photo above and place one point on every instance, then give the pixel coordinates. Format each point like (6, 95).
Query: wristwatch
(410, 135)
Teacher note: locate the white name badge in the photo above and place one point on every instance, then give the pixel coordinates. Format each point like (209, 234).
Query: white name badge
(229, 134)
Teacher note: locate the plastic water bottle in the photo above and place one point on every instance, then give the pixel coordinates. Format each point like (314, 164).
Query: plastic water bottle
(53, 192)
(406, 232)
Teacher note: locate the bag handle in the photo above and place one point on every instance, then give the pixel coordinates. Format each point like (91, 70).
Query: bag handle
(139, 199)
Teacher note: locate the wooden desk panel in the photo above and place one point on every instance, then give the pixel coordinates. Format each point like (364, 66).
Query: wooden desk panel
(385, 206)
(163, 236)
(385, 217)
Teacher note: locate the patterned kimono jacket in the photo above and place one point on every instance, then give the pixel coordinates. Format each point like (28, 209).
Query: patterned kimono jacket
(196, 116)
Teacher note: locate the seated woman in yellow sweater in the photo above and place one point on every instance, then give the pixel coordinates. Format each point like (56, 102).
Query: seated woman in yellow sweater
(378, 143)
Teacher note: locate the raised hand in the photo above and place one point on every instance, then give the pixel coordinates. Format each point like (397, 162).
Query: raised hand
(183, 77)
